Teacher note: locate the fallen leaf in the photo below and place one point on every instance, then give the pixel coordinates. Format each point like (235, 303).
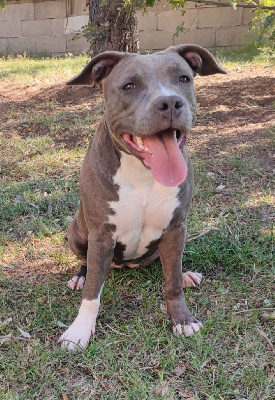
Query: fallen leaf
(187, 396)
(8, 267)
(269, 316)
(61, 369)
(220, 188)
(19, 199)
(183, 392)
(30, 203)
(4, 339)
(162, 389)
(61, 324)
(6, 322)
(65, 397)
(210, 175)
(180, 370)
(24, 333)
(163, 309)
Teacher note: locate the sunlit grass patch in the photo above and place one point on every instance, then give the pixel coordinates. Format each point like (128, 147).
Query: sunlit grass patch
(249, 54)
(45, 255)
(35, 68)
(233, 248)
(37, 206)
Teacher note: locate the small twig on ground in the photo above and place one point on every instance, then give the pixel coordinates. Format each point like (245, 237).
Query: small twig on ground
(114, 330)
(253, 309)
(266, 338)
(11, 337)
(202, 233)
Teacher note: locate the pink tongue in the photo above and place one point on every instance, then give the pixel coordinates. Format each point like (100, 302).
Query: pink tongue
(167, 163)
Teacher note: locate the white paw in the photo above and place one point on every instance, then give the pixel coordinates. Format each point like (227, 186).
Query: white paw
(78, 334)
(76, 282)
(187, 330)
(191, 279)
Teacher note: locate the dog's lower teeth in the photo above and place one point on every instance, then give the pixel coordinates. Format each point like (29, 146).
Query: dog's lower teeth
(139, 141)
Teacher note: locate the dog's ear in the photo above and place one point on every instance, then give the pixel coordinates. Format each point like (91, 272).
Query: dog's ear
(199, 59)
(97, 69)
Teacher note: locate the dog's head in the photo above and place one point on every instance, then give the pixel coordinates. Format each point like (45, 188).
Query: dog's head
(151, 103)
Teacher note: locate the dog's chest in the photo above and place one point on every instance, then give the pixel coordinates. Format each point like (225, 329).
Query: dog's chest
(145, 207)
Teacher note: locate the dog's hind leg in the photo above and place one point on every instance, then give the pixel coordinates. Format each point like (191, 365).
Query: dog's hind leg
(77, 281)
(191, 279)
(79, 245)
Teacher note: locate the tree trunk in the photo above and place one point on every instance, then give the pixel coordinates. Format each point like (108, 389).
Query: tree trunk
(114, 27)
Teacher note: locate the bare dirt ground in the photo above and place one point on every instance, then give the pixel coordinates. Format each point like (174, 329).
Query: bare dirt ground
(233, 109)
(237, 108)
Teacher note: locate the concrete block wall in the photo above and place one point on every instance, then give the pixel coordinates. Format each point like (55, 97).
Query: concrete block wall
(208, 26)
(43, 27)
(49, 26)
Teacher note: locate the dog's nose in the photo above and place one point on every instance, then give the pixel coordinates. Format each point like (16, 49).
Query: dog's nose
(169, 105)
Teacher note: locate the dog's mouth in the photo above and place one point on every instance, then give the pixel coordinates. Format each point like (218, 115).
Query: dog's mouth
(161, 153)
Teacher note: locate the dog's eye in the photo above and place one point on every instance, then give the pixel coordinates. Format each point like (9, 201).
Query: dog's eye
(129, 86)
(184, 79)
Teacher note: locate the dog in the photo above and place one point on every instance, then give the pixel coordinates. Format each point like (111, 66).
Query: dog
(137, 178)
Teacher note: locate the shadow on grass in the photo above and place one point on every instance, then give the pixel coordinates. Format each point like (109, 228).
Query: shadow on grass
(243, 103)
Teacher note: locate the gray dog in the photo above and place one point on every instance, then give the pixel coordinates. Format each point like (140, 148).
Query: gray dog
(137, 178)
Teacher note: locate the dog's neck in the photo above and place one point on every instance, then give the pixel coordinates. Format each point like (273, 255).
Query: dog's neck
(133, 172)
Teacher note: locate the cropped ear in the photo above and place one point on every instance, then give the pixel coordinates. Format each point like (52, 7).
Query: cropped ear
(199, 59)
(97, 69)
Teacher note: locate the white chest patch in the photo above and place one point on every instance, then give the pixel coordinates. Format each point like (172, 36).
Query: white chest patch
(145, 207)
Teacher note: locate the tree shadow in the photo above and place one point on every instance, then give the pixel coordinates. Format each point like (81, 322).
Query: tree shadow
(235, 116)
(73, 110)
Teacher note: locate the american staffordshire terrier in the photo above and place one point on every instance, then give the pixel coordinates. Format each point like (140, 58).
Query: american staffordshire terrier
(137, 178)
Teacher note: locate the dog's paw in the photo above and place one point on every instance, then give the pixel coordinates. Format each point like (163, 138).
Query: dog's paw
(191, 279)
(76, 283)
(77, 335)
(187, 329)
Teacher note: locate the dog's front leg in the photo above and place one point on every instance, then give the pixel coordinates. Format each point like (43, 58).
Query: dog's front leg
(100, 255)
(171, 249)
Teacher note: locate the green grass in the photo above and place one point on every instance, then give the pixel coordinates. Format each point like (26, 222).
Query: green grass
(134, 351)
(32, 68)
(134, 354)
(251, 53)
